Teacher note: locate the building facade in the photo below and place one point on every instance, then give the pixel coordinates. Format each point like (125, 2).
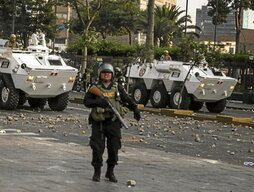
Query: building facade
(204, 21)
(224, 34)
(63, 15)
(143, 3)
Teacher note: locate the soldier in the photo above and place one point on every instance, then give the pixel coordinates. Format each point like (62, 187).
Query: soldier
(86, 78)
(165, 56)
(119, 77)
(104, 124)
(12, 42)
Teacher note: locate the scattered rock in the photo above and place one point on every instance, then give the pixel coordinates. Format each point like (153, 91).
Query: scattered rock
(251, 151)
(213, 145)
(131, 183)
(197, 138)
(173, 132)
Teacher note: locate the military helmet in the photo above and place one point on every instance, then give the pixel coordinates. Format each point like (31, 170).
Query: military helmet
(106, 68)
(118, 72)
(13, 37)
(166, 51)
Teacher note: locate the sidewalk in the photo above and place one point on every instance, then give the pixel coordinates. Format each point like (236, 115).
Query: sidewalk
(79, 96)
(29, 164)
(239, 105)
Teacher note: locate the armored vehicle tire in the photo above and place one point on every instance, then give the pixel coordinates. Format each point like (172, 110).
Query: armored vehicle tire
(196, 105)
(159, 96)
(22, 98)
(140, 94)
(9, 96)
(185, 99)
(37, 102)
(59, 103)
(216, 107)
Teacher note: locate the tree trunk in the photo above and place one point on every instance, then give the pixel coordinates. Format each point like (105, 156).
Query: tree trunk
(25, 40)
(84, 60)
(130, 37)
(238, 24)
(237, 40)
(150, 33)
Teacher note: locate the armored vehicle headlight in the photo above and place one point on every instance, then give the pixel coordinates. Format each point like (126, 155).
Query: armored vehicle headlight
(30, 78)
(202, 85)
(71, 79)
(231, 88)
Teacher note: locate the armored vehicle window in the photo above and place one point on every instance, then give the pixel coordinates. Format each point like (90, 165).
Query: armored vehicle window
(217, 72)
(175, 74)
(54, 62)
(5, 64)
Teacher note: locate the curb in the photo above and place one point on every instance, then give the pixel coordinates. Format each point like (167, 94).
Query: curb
(187, 113)
(76, 100)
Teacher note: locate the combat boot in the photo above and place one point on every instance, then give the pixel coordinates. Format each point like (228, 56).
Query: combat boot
(97, 174)
(110, 174)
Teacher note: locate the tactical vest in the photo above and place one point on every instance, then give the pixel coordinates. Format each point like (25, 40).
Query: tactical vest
(100, 114)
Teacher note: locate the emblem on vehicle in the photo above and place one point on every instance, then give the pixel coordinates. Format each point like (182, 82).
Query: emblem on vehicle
(142, 71)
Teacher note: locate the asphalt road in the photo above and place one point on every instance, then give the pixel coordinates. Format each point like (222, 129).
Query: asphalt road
(204, 139)
(48, 151)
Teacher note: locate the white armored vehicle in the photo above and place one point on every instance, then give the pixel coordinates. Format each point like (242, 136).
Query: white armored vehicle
(34, 75)
(161, 82)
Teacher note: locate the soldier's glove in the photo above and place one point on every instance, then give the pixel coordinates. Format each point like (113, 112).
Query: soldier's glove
(101, 102)
(137, 115)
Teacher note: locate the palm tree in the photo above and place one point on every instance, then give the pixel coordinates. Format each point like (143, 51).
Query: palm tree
(174, 24)
(169, 25)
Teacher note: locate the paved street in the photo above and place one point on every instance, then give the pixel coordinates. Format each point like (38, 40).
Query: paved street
(29, 164)
(48, 151)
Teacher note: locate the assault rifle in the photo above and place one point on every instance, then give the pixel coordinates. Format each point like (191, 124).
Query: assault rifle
(96, 91)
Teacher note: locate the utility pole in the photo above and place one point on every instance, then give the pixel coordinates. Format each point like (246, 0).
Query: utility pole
(13, 17)
(186, 14)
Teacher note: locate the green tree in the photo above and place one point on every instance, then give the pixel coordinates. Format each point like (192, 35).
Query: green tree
(125, 16)
(118, 17)
(169, 25)
(226, 6)
(103, 22)
(86, 11)
(174, 24)
(30, 16)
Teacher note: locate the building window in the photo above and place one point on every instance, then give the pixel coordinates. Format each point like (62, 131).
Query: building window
(61, 16)
(231, 50)
(60, 40)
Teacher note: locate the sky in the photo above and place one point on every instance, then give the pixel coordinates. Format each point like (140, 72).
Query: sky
(192, 6)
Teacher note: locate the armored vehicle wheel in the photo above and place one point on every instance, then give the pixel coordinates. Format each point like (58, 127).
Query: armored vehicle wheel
(196, 105)
(216, 107)
(59, 103)
(37, 102)
(184, 99)
(22, 98)
(9, 96)
(159, 96)
(140, 94)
